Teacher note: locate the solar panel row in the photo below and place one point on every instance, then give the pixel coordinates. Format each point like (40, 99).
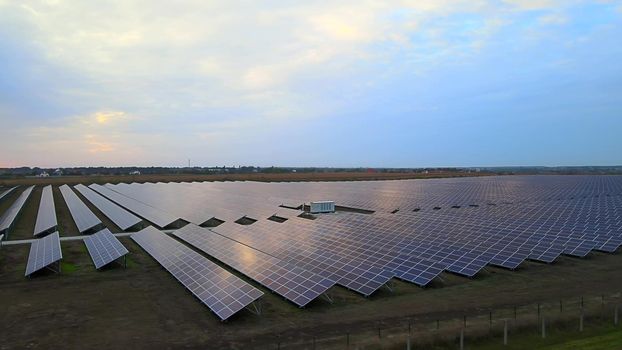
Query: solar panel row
(293, 283)
(121, 217)
(532, 218)
(46, 217)
(201, 203)
(6, 192)
(292, 247)
(149, 213)
(83, 216)
(222, 292)
(8, 218)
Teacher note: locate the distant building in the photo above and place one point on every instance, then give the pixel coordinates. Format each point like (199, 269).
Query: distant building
(43, 174)
(58, 172)
(135, 172)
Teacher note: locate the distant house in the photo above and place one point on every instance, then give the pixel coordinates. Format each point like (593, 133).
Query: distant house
(135, 172)
(58, 172)
(43, 174)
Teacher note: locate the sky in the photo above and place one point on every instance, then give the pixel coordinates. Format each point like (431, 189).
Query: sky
(316, 83)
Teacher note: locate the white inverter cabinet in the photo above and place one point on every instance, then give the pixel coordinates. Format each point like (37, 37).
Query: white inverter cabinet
(322, 207)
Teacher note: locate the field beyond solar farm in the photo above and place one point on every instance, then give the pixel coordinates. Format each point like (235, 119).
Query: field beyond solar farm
(141, 306)
(268, 177)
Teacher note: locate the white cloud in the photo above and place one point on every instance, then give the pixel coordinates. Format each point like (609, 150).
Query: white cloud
(553, 19)
(531, 4)
(235, 66)
(103, 137)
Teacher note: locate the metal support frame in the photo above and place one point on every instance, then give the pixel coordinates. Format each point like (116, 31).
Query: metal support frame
(256, 307)
(124, 263)
(328, 298)
(51, 267)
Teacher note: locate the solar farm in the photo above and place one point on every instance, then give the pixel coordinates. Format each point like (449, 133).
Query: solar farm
(241, 259)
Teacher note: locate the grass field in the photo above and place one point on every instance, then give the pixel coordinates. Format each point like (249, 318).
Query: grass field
(336, 176)
(143, 307)
(603, 337)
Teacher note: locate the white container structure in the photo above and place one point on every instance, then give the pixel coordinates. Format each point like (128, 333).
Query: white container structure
(322, 207)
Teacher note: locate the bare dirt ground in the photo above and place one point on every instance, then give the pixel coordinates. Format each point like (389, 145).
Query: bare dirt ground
(340, 176)
(143, 307)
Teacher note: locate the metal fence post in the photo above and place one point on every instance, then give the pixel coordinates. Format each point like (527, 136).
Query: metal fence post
(581, 321)
(505, 332)
(543, 328)
(462, 339)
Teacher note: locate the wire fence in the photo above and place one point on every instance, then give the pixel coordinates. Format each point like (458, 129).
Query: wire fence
(457, 329)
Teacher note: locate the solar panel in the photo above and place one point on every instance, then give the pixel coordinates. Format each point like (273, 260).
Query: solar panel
(415, 270)
(8, 218)
(299, 249)
(81, 214)
(291, 282)
(46, 217)
(121, 217)
(500, 221)
(43, 253)
(6, 193)
(149, 213)
(104, 248)
(222, 292)
(201, 202)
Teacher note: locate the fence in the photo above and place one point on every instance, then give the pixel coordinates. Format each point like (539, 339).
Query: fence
(456, 330)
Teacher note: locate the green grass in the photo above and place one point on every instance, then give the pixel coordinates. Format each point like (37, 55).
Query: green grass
(68, 268)
(130, 263)
(597, 338)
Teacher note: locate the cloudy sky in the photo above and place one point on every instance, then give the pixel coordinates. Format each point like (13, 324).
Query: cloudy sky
(317, 83)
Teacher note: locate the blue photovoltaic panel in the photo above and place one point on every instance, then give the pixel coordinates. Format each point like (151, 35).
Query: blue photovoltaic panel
(104, 248)
(6, 192)
(46, 217)
(414, 229)
(7, 219)
(299, 249)
(224, 293)
(293, 283)
(43, 252)
(81, 214)
(149, 213)
(121, 217)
